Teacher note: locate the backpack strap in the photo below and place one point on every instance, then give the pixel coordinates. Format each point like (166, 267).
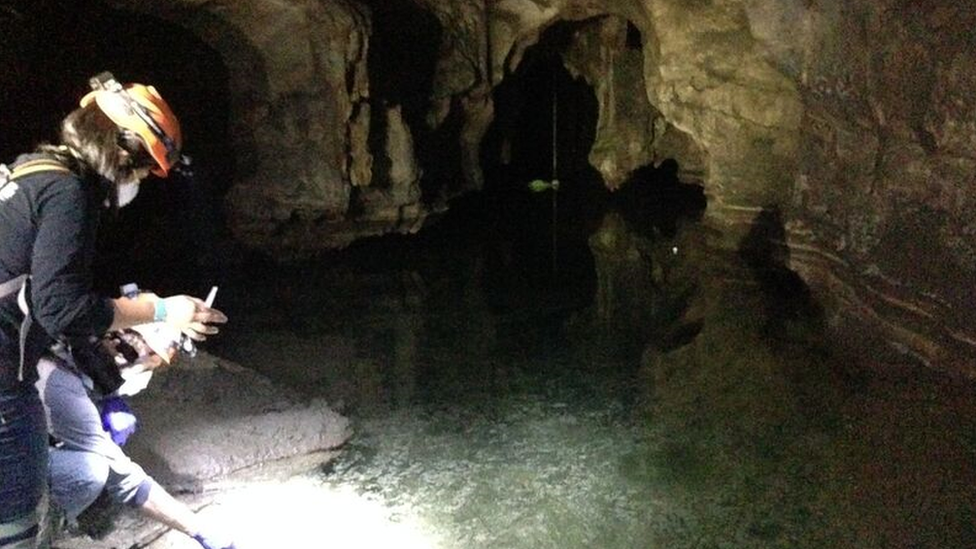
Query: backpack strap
(25, 326)
(6, 175)
(19, 283)
(12, 285)
(39, 165)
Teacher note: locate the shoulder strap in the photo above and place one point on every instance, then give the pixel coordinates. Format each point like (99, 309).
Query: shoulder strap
(12, 285)
(39, 165)
(6, 175)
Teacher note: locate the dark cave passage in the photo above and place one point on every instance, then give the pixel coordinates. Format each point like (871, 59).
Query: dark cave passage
(405, 40)
(403, 46)
(538, 99)
(544, 128)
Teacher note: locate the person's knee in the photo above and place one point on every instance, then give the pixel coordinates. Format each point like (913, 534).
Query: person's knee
(141, 495)
(77, 478)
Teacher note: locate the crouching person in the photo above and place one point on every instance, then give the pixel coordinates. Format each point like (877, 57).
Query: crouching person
(50, 204)
(87, 463)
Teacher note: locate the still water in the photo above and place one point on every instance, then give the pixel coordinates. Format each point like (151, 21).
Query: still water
(686, 398)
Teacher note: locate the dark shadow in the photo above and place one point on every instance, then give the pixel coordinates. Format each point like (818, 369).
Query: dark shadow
(654, 201)
(791, 312)
(518, 146)
(440, 156)
(670, 329)
(517, 149)
(634, 39)
(794, 325)
(376, 141)
(404, 46)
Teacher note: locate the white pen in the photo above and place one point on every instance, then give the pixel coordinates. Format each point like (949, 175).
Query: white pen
(211, 296)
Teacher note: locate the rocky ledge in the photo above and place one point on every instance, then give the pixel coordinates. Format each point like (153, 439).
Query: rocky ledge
(209, 427)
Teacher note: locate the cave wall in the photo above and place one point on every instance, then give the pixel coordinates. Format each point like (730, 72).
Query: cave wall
(710, 75)
(853, 123)
(462, 82)
(881, 218)
(301, 123)
(607, 53)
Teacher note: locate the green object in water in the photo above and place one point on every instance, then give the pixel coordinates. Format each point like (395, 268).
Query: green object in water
(538, 185)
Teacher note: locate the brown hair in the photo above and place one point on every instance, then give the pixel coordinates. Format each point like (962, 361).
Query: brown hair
(97, 143)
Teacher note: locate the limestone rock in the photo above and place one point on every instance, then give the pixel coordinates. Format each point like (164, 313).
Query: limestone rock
(208, 427)
(211, 420)
(857, 121)
(630, 132)
(880, 227)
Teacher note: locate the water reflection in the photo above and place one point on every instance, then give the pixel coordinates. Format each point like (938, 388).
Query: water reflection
(688, 400)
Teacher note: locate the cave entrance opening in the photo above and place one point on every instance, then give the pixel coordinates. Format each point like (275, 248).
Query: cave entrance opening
(582, 238)
(404, 48)
(538, 98)
(544, 126)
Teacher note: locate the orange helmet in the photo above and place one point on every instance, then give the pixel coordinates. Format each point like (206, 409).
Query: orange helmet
(141, 110)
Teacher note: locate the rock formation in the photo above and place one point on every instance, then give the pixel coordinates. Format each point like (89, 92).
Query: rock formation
(878, 215)
(211, 421)
(855, 123)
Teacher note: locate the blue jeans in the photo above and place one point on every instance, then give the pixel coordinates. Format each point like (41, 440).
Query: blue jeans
(23, 464)
(88, 461)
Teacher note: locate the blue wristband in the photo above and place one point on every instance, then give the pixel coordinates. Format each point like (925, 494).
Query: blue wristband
(159, 312)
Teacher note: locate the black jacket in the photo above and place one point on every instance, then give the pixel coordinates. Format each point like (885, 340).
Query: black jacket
(48, 228)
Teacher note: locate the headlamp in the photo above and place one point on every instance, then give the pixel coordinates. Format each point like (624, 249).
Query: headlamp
(140, 110)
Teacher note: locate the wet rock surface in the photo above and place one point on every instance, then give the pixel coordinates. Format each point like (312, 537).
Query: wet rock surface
(879, 224)
(208, 427)
(213, 419)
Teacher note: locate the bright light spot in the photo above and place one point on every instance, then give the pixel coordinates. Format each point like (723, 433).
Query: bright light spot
(299, 513)
(674, 250)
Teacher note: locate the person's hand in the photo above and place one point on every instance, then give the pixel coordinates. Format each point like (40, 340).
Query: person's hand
(192, 316)
(171, 354)
(121, 352)
(214, 540)
(149, 362)
(145, 296)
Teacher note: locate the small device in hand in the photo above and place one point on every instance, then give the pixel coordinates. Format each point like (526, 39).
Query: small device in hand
(187, 345)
